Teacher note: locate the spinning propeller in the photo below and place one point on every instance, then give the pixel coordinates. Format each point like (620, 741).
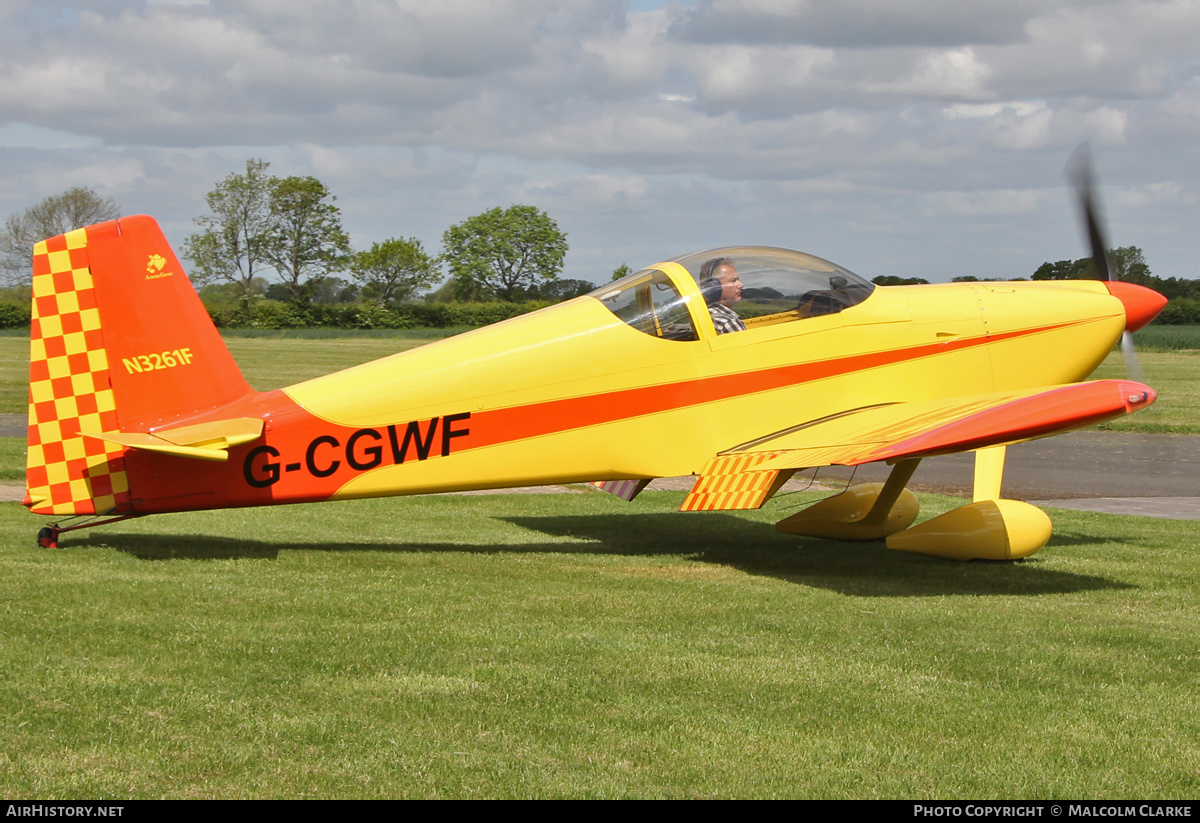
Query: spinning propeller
(1141, 304)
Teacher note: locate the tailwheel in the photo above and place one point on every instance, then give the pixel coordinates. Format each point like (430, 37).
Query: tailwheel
(48, 535)
(985, 530)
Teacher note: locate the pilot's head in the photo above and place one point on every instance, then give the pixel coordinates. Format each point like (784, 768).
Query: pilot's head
(723, 271)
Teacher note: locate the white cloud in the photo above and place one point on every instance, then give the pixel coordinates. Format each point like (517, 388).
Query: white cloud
(1000, 201)
(1021, 108)
(951, 73)
(686, 120)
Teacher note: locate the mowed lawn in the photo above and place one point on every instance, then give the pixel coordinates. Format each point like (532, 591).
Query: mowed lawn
(574, 645)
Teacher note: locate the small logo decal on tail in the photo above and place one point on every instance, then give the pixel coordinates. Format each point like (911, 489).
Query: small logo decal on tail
(154, 267)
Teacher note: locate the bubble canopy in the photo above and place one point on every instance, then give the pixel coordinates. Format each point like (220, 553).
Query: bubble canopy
(777, 286)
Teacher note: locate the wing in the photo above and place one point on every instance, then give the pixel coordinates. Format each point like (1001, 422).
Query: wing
(746, 476)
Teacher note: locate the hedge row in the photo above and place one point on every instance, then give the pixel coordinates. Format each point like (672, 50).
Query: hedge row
(271, 314)
(14, 315)
(1182, 311)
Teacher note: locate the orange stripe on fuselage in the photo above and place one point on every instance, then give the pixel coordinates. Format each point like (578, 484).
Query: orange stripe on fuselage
(312, 458)
(553, 416)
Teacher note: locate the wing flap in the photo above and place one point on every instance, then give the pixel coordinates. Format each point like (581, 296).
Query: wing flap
(735, 482)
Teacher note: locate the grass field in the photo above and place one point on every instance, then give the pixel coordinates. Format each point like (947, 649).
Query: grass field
(577, 646)
(1167, 338)
(1175, 375)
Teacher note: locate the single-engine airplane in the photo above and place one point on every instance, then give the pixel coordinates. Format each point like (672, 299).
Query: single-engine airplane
(136, 406)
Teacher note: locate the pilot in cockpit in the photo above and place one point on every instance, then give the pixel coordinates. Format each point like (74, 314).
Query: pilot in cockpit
(722, 288)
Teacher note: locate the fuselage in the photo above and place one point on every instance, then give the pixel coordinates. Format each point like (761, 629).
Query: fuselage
(577, 393)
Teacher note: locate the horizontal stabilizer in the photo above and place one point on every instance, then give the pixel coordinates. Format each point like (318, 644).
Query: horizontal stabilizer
(203, 441)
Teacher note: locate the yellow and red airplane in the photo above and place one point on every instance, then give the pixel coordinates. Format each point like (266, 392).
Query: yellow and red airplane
(136, 406)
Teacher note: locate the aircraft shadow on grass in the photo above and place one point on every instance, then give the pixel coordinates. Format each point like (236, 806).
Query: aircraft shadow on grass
(865, 569)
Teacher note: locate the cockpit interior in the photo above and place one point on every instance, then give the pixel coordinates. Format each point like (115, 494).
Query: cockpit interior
(773, 286)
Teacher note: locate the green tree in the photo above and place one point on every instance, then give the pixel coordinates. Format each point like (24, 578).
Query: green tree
(304, 238)
(391, 272)
(1080, 269)
(564, 289)
(233, 245)
(895, 280)
(1128, 264)
(73, 209)
(330, 290)
(504, 253)
(620, 271)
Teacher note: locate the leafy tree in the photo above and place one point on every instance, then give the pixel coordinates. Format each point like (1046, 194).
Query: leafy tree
(559, 290)
(234, 242)
(1080, 269)
(621, 271)
(1180, 311)
(304, 239)
(73, 209)
(330, 290)
(504, 253)
(276, 291)
(1175, 287)
(260, 223)
(1128, 263)
(894, 280)
(443, 293)
(391, 272)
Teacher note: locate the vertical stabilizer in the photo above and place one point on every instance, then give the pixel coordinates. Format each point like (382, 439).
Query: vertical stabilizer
(119, 342)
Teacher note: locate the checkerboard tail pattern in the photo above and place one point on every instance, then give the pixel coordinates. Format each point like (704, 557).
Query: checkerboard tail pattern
(70, 390)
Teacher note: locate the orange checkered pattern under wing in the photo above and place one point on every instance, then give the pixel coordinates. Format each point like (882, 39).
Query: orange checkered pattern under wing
(731, 483)
(69, 389)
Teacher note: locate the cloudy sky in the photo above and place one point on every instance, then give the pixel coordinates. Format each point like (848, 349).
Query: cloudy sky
(907, 137)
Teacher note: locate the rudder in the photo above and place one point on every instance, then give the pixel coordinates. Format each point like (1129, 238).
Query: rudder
(119, 342)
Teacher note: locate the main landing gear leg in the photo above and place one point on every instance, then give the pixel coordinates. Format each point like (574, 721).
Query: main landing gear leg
(868, 511)
(989, 528)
